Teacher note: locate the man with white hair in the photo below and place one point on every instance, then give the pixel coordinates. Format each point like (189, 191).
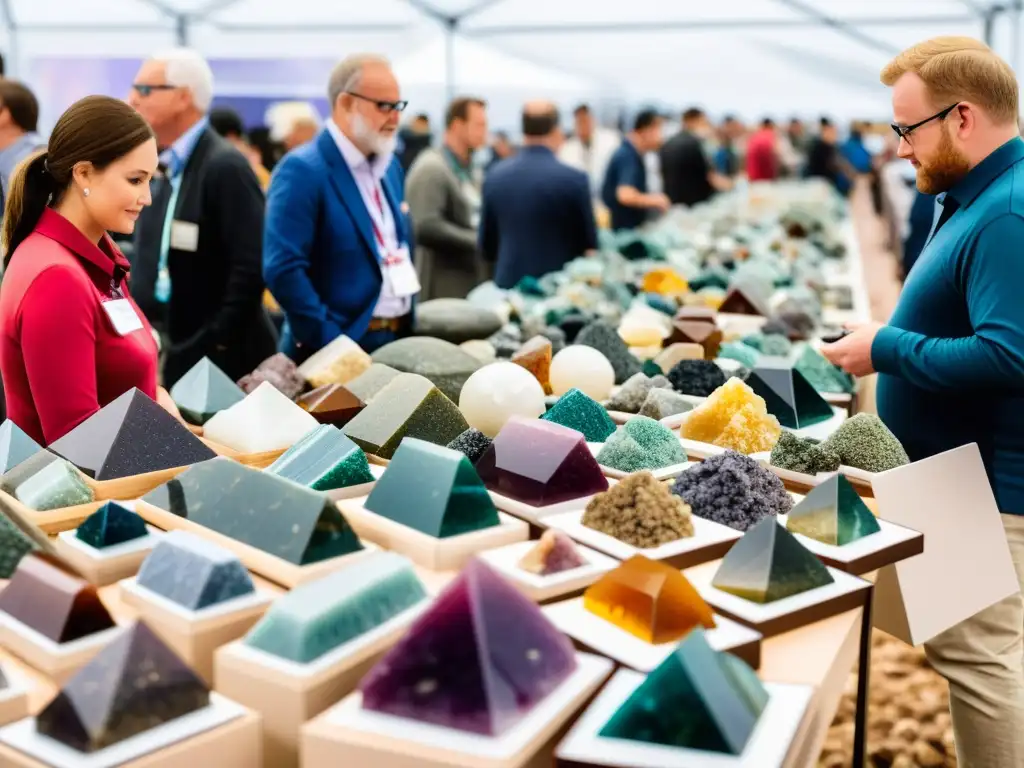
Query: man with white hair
(196, 268)
(337, 239)
(292, 123)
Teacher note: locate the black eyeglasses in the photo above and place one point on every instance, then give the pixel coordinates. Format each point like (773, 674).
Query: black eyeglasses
(387, 107)
(145, 89)
(904, 131)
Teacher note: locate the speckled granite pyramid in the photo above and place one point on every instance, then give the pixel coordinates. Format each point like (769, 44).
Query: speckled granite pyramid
(265, 420)
(130, 436)
(193, 572)
(15, 446)
(577, 411)
(204, 391)
(57, 485)
(110, 525)
(441, 362)
(324, 460)
(472, 443)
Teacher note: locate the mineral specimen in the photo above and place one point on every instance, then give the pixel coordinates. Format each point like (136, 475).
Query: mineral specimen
(696, 377)
(631, 395)
(740, 352)
(666, 282)
(410, 406)
(13, 478)
(280, 372)
(370, 382)
(641, 443)
(864, 442)
(787, 394)
(639, 511)
(769, 564)
(733, 490)
(15, 446)
(265, 420)
(497, 392)
(822, 375)
(455, 320)
(801, 455)
(577, 411)
(315, 618)
(204, 391)
(339, 362)
(662, 403)
(794, 325)
(482, 350)
(733, 417)
(110, 525)
(478, 660)
(673, 353)
(56, 486)
(583, 368)
(833, 513)
(553, 553)
(324, 460)
(540, 463)
(769, 344)
(506, 341)
(14, 545)
(650, 600)
(606, 340)
(472, 443)
(194, 573)
(744, 300)
(433, 490)
(331, 404)
(707, 335)
(441, 362)
(652, 370)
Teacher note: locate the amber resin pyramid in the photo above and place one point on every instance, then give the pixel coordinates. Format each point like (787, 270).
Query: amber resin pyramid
(275, 516)
(788, 395)
(540, 463)
(130, 436)
(331, 404)
(434, 490)
(833, 513)
(650, 600)
(535, 356)
(205, 391)
(769, 564)
(133, 685)
(698, 698)
(479, 659)
(324, 460)
(15, 446)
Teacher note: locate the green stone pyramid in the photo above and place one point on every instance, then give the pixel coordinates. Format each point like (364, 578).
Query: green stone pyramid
(833, 513)
(14, 545)
(324, 460)
(205, 391)
(768, 564)
(576, 410)
(109, 525)
(15, 446)
(434, 490)
(698, 698)
(56, 486)
(789, 396)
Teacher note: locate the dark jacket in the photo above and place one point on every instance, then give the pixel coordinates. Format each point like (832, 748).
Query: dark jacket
(685, 169)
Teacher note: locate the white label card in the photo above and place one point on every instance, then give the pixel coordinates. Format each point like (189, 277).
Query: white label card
(400, 273)
(184, 236)
(123, 315)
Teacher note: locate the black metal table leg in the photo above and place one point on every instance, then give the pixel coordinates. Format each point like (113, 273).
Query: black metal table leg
(863, 685)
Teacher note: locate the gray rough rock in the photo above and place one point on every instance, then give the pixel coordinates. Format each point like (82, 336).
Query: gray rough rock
(440, 361)
(631, 395)
(662, 403)
(455, 320)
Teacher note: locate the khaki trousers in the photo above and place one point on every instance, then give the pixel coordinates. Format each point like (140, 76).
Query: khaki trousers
(983, 660)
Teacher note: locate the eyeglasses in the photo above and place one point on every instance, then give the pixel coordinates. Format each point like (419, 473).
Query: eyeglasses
(145, 89)
(387, 107)
(904, 131)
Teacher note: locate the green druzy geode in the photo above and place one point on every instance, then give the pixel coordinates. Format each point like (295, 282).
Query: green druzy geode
(109, 525)
(324, 460)
(641, 443)
(576, 410)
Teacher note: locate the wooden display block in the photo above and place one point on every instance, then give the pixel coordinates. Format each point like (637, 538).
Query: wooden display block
(223, 734)
(844, 594)
(264, 564)
(259, 460)
(892, 544)
(58, 661)
(288, 694)
(557, 586)
(14, 698)
(109, 565)
(710, 541)
(768, 746)
(55, 520)
(357, 491)
(133, 486)
(447, 554)
(348, 735)
(593, 634)
(195, 635)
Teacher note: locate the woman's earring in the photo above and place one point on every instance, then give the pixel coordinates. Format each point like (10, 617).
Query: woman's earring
(85, 192)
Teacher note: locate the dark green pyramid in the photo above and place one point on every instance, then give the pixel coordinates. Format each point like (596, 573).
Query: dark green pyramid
(789, 396)
(14, 545)
(15, 446)
(324, 460)
(204, 391)
(109, 525)
(768, 564)
(698, 698)
(833, 513)
(434, 490)
(576, 410)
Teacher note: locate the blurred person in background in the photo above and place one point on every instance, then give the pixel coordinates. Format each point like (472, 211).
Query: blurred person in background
(501, 149)
(797, 135)
(196, 266)
(625, 188)
(591, 147)
(727, 156)
(292, 123)
(413, 138)
(444, 203)
(228, 124)
(763, 153)
(824, 160)
(338, 242)
(538, 212)
(686, 169)
(19, 118)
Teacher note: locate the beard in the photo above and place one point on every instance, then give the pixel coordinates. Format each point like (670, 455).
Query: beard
(370, 141)
(941, 173)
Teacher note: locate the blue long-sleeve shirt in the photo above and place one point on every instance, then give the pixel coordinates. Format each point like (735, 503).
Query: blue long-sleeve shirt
(951, 360)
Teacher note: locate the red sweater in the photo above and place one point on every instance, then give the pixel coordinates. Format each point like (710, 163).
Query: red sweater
(762, 160)
(60, 356)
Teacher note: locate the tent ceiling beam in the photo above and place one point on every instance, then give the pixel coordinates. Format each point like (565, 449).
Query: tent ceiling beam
(842, 27)
(7, 15)
(311, 29)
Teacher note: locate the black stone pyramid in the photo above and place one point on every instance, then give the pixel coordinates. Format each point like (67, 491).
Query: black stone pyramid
(789, 396)
(205, 391)
(15, 446)
(130, 436)
(133, 685)
(277, 516)
(768, 564)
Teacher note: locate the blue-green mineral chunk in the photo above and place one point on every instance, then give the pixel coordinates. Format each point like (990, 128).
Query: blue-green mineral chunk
(109, 525)
(641, 443)
(576, 410)
(324, 460)
(193, 572)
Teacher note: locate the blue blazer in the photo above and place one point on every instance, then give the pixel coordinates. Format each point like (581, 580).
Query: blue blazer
(537, 214)
(320, 257)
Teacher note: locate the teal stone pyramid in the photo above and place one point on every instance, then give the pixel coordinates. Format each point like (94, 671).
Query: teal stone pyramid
(434, 490)
(205, 391)
(789, 396)
(15, 446)
(768, 564)
(109, 525)
(833, 513)
(698, 699)
(325, 459)
(317, 617)
(576, 410)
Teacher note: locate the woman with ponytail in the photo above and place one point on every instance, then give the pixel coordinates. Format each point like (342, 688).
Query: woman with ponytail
(71, 337)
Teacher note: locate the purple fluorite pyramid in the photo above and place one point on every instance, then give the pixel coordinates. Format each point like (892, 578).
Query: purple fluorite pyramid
(478, 660)
(540, 463)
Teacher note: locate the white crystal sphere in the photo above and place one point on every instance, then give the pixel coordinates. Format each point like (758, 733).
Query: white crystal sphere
(584, 368)
(496, 393)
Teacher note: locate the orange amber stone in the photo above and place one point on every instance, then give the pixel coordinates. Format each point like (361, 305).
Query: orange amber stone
(535, 356)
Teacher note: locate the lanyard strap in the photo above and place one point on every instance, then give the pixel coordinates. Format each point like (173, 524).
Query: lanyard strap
(378, 229)
(163, 281)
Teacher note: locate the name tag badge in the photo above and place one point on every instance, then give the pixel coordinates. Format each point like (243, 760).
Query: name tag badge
(184, 236)
(123, 316)
(400, 273)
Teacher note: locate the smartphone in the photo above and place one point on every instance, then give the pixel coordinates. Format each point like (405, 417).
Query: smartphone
(833, 335)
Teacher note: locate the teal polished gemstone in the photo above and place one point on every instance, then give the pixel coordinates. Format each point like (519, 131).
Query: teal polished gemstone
(324, 460)
(576, 410)
(698, 698)
(317, 617)
(15, 446)
(833, 513)
(56, 486)
(109, 525)
(204, 392)
(434, 490)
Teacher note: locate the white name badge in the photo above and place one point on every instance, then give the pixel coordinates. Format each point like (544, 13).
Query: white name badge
(400, 273)
(123, 316)
(184, 236)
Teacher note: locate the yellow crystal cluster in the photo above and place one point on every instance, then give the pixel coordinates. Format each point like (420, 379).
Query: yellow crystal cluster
(733, 417)
(666, 282)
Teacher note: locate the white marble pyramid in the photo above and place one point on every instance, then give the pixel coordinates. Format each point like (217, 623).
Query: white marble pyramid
(265, 420)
